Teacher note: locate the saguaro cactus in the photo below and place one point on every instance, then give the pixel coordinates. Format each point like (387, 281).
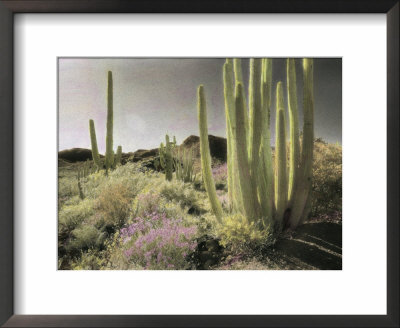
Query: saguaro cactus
(109, 136)
(95, 150)
(205, 155)
(253, 188)
(111, 159)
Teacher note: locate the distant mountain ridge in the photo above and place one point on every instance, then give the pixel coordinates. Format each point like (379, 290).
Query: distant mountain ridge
(217, 150)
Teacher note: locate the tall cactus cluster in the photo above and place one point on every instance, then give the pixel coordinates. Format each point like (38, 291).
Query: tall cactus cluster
(265, 191)
(111, 160)
(167, 157)
(184, 166)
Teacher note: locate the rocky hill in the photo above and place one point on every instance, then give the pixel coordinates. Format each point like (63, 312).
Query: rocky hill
(217, 150)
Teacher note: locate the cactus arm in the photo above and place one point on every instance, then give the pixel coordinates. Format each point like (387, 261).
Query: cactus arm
(230, 126)
(280, 156)
(294, 128)
(248, 189)
(109, 136)
(237, 66)
(256, 122)
(233, 178)
(303, 191)
(205, 156)
(266, 167)
(95, 151)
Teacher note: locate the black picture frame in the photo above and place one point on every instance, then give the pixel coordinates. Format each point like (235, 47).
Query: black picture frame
(10, 7)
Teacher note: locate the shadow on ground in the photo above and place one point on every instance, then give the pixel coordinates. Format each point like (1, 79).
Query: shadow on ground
(315, 245)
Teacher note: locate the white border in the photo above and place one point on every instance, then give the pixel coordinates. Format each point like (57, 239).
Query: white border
(360, 288)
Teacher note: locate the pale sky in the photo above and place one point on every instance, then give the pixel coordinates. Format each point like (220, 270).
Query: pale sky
(157, 96)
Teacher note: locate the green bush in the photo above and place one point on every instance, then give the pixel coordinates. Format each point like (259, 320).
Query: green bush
(72, 216)
(84, 238)
(114, 205)
(90, 260)
(182, 194)
(242, 237)
(327, 179)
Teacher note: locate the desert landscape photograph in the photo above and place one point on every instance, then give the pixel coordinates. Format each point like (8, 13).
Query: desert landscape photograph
(199, 163)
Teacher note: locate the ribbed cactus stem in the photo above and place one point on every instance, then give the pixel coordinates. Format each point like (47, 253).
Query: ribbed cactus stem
(93, 140)
(237, 67)
(255, 115)
(205, 155)
(247, 187)
(266, 167)
(294, 128)
(230, 126)
(280, 156)
(308, 129)
(109, 136)
(303, 191)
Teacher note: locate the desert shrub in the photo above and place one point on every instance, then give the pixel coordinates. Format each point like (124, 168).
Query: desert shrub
(114, 205)
(67, 188)
(181, 193)
(327, 180)
(156, 241)
(90, 260)
(72, 216)
(220, 174)
(242, 237)
(147, 202)
(85, 237)
(130, 175)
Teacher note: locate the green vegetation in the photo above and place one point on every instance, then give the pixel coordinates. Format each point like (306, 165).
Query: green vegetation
(140, 215)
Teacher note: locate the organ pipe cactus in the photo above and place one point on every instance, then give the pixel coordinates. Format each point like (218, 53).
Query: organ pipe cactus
(264, 193)
(184, 166)
(166, 157)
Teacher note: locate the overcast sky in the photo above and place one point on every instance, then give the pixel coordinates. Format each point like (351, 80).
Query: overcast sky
(157, 96)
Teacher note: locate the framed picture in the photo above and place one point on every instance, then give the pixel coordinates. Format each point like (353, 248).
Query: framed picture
(181, 164)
